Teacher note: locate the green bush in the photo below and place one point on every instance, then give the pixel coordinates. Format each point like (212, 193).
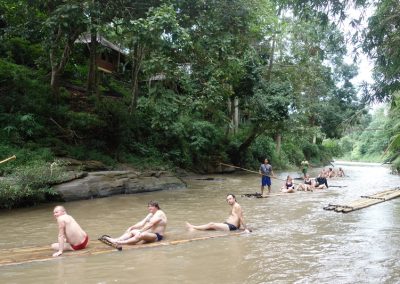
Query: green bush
(333, 147)
(21, 51)
(310, 150)
(293, 153)
(31, 184)
(346, 144)
(263, 147)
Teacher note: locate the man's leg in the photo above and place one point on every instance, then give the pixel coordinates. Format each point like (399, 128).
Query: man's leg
(146, 237)
(127, 235)
(209, 226)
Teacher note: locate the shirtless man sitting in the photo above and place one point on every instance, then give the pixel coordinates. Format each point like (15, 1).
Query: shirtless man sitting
(331, 173)
(340, 173)
(70, 234)
(233, 223)
(149, 230)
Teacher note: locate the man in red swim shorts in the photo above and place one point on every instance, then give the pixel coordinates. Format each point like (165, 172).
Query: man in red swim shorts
(70, 234)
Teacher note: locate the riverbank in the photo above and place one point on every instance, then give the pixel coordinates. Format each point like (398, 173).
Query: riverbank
(106, 183)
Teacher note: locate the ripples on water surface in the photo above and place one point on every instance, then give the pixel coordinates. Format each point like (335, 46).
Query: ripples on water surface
(294, 239)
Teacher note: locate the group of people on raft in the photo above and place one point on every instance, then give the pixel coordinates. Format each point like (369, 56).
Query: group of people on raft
(152, 228)
(311, 184)
(308, 184)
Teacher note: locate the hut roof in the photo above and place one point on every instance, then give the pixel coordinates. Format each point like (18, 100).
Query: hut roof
(86, 38)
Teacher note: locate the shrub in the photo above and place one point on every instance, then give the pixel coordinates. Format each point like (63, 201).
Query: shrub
(293, 153)
(310, 151)
(30, 184)
(333, 147)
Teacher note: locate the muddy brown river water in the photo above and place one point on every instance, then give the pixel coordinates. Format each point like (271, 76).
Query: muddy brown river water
(294, 239)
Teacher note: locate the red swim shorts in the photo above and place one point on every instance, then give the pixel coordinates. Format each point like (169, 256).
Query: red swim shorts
(82, 245)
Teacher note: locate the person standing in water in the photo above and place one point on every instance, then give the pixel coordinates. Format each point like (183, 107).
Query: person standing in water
(304, 167)
(266, 172)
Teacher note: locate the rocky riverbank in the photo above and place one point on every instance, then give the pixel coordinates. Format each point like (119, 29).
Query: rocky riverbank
(107, 183)
(91, 179)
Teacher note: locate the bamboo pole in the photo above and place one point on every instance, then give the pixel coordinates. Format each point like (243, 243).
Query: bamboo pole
(8, 159)
(254, 172)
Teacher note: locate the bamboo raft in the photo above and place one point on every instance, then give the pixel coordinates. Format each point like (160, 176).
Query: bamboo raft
(258, 195)
(365, 201)
(31, 254)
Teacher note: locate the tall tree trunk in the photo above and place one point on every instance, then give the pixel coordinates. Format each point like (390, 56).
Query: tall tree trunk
(271, 58)
(58, 65)
(311, 120)
(278, 143)
(138, 54)
(235, 115)
(57, 68)
(229, 129)
(92, 75)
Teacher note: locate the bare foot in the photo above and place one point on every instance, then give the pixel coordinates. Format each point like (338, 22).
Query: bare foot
(118, 245)
(189, 226)
(111, 240)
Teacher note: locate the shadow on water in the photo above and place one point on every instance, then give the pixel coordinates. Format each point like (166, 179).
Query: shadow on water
(294, 239)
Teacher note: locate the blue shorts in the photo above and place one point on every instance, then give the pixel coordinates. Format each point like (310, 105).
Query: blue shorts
(159, 237)
(265, 181)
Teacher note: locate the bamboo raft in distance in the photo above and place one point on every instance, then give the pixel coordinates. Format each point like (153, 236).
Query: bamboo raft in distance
(31, 254)
(365, 201)
(258, 195)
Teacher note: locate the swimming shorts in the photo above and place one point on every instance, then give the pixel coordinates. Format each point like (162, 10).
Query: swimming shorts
(81, 245)
(231, 227)
(288, 185)
(159, 237)
(265, 181)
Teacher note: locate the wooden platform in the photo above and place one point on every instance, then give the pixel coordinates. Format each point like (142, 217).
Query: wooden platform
(258, 195)
(365, 201)
(22, 255)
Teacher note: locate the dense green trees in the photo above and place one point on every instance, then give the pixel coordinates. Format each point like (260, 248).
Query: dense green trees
(381, 40)
(197, 82)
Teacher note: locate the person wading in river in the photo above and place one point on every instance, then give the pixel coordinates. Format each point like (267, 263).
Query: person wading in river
(70, 234)
(233, 223)
(266, 171)
(149, 230)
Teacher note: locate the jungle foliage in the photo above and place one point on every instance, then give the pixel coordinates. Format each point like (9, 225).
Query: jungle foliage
(197, 82)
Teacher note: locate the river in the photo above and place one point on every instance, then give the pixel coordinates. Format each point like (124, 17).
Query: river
(293, 240)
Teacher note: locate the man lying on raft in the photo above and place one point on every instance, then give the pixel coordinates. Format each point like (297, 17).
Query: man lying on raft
(70, 234)
(233, 223)
(149, 230)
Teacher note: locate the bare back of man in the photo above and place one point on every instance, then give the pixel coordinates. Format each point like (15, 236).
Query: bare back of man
(234, 221)
(70, 234)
